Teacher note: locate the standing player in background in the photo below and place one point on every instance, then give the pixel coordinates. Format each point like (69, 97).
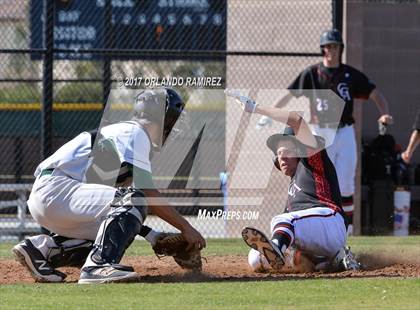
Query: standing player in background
(414, 140)
(348, 83)
(82, 193)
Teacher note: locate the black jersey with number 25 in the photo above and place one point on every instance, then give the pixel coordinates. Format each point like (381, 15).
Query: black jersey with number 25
(346, 81)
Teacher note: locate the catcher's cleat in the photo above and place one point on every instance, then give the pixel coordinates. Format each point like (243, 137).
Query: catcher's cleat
(31, 258)
(258, 241)
(108, 274)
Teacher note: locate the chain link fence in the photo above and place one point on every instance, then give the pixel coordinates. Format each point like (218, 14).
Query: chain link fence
(105, 45)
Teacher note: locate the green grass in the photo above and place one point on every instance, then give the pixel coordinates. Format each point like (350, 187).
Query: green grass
(214, 247)
(385, 244)
(291, 294)
(348, 293)
(141, 248)
(409, 244)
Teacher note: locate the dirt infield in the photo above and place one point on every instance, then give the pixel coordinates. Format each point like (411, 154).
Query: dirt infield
(221, 268)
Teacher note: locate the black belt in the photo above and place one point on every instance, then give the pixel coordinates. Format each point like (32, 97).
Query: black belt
(46, 172)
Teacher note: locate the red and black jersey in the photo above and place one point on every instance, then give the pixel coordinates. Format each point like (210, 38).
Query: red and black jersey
(346, 81)
(314, 184)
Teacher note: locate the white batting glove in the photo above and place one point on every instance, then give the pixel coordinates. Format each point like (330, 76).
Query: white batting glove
(247, 104)
(264, 121)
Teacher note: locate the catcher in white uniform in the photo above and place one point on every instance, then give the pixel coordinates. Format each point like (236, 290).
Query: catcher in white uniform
(81, 194)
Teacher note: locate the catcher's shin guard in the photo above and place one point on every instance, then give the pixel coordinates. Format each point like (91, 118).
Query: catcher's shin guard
(119, 229)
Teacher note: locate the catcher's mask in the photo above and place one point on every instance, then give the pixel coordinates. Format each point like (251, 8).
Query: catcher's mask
(162, 106)
(332, 36)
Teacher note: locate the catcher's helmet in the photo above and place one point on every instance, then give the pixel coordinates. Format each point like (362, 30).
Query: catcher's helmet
(161, 105)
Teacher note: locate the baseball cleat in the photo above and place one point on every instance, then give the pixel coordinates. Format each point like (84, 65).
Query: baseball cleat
(108, 274)
(31, 258)
(258, 241)
(345, 260)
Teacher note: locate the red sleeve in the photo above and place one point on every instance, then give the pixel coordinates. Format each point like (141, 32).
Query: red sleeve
(322, 186)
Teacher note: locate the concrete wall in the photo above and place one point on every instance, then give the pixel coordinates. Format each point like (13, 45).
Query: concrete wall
(383, 40)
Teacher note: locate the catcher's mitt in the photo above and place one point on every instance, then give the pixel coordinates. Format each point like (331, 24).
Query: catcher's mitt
(174, 244)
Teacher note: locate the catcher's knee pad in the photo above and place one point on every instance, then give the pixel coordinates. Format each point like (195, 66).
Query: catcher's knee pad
(68, 252)
(120, 227)
(129, 198)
